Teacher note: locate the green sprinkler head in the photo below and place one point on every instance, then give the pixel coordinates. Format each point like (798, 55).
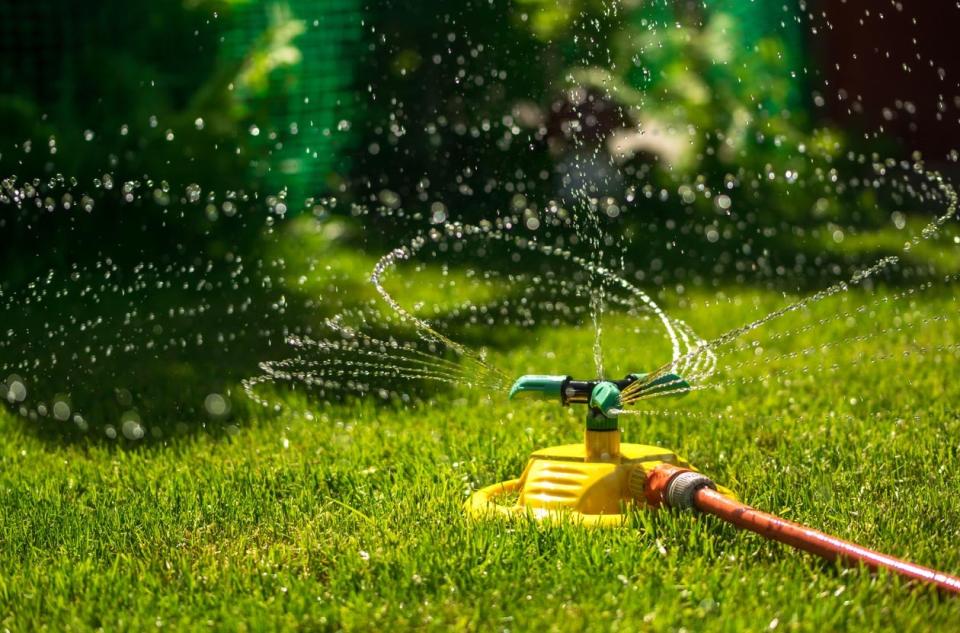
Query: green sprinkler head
(603, 397)
(570, 391)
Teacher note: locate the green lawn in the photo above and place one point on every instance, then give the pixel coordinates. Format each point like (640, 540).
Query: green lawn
(348, 515)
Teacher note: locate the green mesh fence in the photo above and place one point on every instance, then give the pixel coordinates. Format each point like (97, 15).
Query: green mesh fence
(304, 118)
(51, 50)
(37, 45)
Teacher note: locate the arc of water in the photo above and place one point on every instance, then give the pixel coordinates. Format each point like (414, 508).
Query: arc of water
(634, 392)
(679, 334)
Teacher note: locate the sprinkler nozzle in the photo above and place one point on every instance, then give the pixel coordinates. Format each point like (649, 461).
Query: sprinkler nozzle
(671, 383)
(538, 386)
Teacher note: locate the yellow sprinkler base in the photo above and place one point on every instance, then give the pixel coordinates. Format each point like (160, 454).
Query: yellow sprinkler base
(593, 483)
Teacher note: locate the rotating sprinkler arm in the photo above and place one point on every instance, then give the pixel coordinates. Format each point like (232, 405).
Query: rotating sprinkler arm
(602, 396)
(603, 399)
(570, 391)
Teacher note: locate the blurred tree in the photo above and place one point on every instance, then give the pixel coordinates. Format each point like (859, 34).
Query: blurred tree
(689, 114)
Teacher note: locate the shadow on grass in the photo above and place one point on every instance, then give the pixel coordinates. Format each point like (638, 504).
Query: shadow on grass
(153, 350)
(149, 352)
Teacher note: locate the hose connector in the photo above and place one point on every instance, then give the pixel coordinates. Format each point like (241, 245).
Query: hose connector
(674, 486)
(683, 486)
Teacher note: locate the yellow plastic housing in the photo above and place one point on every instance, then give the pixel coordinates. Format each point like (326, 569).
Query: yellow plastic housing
(578, 482)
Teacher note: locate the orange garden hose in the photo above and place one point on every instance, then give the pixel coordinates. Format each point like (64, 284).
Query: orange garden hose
(682, 488)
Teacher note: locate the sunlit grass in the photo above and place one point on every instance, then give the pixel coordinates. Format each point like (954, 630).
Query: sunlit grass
(349, 515)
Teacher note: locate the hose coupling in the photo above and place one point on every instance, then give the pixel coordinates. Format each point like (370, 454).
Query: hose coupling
(683, 487)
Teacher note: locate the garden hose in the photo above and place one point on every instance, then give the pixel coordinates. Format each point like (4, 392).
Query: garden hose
(676, 487)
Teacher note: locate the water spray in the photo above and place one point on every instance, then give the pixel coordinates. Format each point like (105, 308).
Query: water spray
(596, 483)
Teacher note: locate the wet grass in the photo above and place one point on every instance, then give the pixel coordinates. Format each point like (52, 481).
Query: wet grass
(348, 516)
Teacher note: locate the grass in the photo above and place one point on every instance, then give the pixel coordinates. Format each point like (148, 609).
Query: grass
(348, 515)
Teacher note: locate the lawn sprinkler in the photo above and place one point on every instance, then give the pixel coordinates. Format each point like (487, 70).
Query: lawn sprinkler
(595, 483)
